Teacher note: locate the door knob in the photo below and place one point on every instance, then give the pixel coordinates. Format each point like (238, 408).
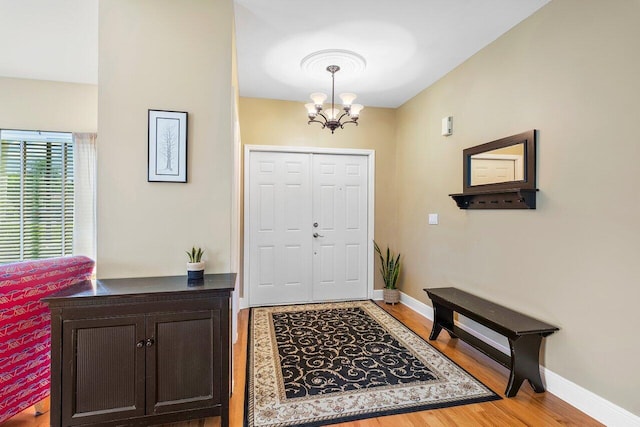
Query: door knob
(315, 224)
(140, 344)
(316, 235)
(150, 342)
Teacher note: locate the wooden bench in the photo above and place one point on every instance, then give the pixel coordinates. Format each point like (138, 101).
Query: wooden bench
(523, 332)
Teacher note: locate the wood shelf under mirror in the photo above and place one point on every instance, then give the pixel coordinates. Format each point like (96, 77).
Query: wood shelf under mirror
(511, 198)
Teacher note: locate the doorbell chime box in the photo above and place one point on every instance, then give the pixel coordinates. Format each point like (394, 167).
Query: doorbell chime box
(447, 126)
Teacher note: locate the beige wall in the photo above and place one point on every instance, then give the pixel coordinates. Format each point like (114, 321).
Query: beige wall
(284, 123)
(172, 55)
(48, 106)
(571, 71)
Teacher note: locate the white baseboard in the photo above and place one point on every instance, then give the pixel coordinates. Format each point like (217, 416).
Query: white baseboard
(588, 402)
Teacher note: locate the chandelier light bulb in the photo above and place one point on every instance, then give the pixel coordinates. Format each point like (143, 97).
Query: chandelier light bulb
(347, 98)
(318, 98)
(332, 113)
(311, 109)
(355, 110)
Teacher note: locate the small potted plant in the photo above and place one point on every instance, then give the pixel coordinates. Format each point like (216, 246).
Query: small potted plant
(195, 266)
(390, 270)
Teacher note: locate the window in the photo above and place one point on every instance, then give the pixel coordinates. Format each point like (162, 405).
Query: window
(36, 195)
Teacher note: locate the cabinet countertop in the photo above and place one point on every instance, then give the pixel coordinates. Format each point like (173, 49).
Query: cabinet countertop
(138, 286)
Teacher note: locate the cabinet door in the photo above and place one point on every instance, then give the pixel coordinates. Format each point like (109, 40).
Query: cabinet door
(103, 369)
(183, 364)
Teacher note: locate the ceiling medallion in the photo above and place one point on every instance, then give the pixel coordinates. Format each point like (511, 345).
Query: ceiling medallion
(349, 62)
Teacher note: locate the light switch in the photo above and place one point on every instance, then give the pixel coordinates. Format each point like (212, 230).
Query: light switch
(433, 219)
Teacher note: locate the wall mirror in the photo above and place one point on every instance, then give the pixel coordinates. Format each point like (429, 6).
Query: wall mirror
(500, 174)
(505, 163)
(495, 166)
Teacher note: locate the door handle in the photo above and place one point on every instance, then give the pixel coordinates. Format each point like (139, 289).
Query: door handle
(140, 344)
(316, 235)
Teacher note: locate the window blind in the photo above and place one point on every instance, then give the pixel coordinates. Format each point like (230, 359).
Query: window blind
(36, 195)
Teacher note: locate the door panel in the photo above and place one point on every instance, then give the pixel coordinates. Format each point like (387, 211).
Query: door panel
(279, 228)
(267, 265)
(327, 200)
(340, 209)
(353, 212)
(326, 257)
(107, 369)
(180, 361)
(352, 263)
(267, 205)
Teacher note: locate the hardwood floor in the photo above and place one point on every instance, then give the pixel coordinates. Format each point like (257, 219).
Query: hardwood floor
(526, 409)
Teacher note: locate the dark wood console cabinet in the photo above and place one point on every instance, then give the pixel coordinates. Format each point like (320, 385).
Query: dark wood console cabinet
(141, 351)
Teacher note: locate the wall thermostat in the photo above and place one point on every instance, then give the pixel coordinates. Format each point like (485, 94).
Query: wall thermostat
(447, 126)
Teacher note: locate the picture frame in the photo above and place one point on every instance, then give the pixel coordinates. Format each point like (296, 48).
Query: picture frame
(167, 149)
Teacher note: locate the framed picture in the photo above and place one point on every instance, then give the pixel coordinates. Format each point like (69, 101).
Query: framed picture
(167, 146)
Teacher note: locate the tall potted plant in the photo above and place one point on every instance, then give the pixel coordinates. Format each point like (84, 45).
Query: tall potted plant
(390, 270)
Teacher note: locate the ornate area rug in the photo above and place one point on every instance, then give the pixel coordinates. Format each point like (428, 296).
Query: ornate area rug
(319, 364)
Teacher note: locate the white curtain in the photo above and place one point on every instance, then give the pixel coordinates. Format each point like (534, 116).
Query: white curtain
(84, 229)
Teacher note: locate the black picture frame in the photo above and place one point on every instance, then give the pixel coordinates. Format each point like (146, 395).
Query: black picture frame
(167, 146)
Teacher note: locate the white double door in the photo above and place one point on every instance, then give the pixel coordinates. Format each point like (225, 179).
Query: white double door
(307, 227)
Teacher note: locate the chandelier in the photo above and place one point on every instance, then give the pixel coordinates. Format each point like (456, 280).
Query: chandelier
(332, 118)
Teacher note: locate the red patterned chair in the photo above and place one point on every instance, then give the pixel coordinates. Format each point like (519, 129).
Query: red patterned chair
(25, 327)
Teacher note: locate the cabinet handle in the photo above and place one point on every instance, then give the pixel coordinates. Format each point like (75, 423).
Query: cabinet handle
(150, 342)
(140, 344)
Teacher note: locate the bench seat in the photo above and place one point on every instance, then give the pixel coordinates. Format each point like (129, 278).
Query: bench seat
(523, 332)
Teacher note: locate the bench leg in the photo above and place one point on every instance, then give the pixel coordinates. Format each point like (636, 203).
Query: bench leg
(442, 317)
(525, 364)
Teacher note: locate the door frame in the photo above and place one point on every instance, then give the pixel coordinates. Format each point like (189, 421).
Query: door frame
(371, 163)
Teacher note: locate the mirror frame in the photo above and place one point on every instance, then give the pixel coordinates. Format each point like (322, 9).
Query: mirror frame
(529, 181)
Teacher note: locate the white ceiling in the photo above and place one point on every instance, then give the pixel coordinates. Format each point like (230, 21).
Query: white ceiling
(49, 40)
(407, 44)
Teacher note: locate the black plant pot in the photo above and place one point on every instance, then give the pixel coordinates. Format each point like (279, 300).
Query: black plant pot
(194, 275)
(195, 270)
